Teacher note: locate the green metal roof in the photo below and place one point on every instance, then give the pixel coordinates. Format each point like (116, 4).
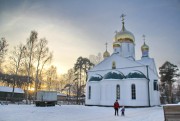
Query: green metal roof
(136, 75)
(114, 75)
(95, 78)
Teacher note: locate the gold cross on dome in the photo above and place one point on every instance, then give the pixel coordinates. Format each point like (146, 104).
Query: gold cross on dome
(144, 37)
(122, 16)
(106, 45)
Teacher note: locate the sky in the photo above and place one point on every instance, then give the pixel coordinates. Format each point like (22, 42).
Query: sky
(76, 28)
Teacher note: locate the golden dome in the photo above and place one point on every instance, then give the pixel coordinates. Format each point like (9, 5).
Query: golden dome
(124, 36)
(115, 44)
(106, 54)
(144, 47)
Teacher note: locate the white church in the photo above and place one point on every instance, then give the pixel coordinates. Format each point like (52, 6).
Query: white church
(134, 83)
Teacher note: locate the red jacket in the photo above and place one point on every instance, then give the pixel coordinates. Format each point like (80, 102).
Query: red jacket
(116, 105)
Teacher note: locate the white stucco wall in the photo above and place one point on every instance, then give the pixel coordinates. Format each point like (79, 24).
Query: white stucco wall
(104, 92)
(95, 93)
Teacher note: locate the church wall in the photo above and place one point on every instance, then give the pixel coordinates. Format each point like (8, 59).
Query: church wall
(128, 50)
(117, 50)
(108, 92)
(106, 95)
(141, 93)
(108, 89)
(154, 94)
(95, 93)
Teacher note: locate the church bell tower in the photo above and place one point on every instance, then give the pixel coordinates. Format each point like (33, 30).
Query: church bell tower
(124, 42)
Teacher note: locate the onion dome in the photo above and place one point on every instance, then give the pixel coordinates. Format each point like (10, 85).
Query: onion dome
(124, 35)
(116, 44)
(106, 54)
(144, 47)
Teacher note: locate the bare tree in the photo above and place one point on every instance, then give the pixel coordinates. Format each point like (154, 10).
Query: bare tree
(16, 58)
(30, 49)
(95, 59)
(42, 55)
(3, 50)
(51, 77)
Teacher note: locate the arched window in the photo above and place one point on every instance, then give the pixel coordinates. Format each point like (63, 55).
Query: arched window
(128, 48)
(118, 92)
(133, 91)
(155, 85)
(89, 90)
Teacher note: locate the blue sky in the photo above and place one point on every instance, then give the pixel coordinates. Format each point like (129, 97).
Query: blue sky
(82, 27)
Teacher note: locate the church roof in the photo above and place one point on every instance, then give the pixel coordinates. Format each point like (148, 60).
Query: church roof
(150, 63)
(96, 77)
(120, 62)
(114, 75)
(136, 74)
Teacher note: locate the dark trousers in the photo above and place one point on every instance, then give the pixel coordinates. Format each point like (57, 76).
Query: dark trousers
(116, 111)
(122, 113)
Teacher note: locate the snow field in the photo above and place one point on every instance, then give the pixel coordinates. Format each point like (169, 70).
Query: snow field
(77, 113)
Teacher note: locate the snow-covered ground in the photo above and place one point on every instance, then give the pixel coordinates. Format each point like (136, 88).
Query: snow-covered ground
(77, 113)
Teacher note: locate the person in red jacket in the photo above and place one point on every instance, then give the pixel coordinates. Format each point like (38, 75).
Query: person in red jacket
(116, 107)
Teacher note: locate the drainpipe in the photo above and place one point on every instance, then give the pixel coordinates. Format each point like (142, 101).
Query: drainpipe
(148, 85)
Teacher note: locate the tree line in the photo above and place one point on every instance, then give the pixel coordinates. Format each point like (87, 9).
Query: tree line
(24, 67)
(25, 63)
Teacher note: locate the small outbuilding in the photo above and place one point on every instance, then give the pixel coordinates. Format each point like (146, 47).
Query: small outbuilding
(6, 92)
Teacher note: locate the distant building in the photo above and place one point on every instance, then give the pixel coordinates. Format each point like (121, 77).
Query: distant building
(120, 76)
(6, 92)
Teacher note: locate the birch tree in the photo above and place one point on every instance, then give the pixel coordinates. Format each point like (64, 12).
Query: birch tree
(42, 56)
(16, 58)
(30, 50)
(3, 50)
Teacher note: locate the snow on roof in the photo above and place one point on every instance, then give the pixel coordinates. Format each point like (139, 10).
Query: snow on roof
(97, 75)
(114, 71)
(150, 62)
(61, 94)
(10, 89)
(121, 62)
(136, 71)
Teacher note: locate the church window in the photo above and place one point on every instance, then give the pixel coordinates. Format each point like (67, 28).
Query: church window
(128, 48)
(118, 92)
(113, 65)
(133, 91)
(89, 96)
(155, 85)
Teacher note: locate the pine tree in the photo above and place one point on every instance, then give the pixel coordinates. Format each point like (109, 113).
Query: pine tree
(169, 74)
